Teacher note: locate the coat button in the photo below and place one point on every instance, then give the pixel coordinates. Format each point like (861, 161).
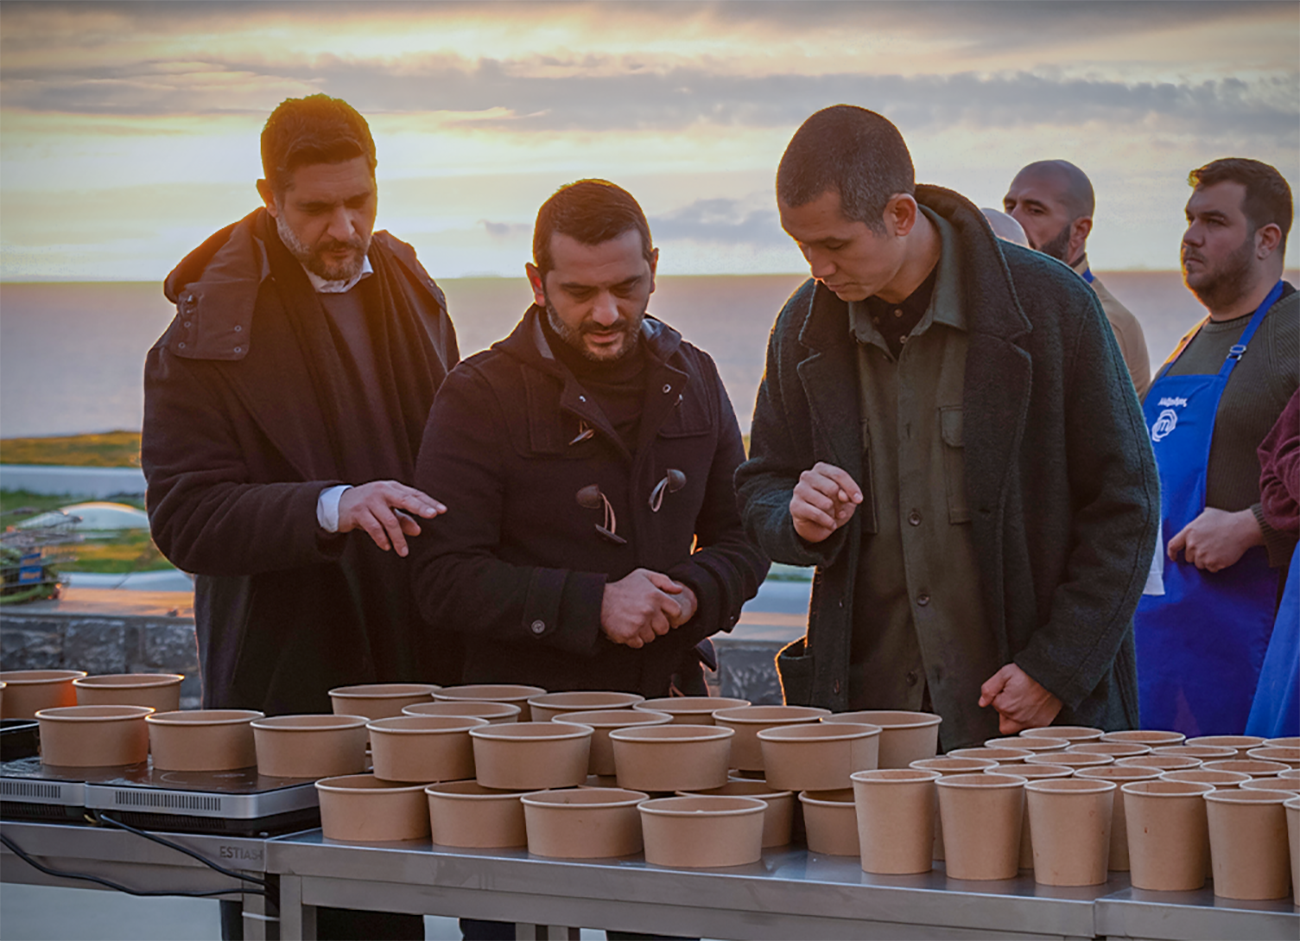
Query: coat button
(187, 323)
(238, 328)
(667, 388)
(582, 398)
(239, 349)
(537, 627)
(912, 678)
(181, 345)
(914, 518)
(923, 600)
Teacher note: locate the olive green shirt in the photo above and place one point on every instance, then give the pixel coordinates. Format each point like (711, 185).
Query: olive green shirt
(919, 624)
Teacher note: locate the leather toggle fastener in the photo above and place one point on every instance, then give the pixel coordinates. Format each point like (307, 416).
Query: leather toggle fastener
(590, 498)
(673, 481)
(585, 431)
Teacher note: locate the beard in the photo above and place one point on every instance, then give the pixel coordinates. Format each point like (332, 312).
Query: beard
(313, 259)
(1218, 286)
(573, 336)
(1057, 245)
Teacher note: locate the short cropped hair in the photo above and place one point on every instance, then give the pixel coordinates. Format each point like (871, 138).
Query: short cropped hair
(590, 212)
(850, 151)
(1268, 197)
(315, 129)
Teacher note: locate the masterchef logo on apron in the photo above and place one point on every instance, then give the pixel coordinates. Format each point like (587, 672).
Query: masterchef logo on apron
(1165, 423)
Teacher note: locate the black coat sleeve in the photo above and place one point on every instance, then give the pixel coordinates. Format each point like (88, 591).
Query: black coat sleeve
(460, 579)
(205, 512)
(726, 568)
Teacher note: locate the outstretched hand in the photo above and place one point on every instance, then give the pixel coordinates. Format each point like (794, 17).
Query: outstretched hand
(382, 508)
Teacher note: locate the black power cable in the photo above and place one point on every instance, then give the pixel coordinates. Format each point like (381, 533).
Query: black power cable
(141, 893)
(186, 850)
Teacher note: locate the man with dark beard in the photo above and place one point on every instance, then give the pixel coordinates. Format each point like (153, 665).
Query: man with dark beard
(283, 410)
(594, 539)
(1200, 644)
(1053, 202)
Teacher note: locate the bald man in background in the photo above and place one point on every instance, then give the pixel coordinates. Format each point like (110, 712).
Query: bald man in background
(1053, 202)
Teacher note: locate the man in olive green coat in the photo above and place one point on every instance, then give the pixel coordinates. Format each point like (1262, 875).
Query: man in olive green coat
(946, 429)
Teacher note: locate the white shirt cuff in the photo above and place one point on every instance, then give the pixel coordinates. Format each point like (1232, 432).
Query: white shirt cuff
(327, 508)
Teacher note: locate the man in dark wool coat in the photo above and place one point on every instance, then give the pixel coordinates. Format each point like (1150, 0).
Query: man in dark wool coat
(283, 413)
(592, 539)
(946, 429)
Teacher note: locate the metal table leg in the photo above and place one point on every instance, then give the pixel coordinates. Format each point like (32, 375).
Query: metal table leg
(297, 921)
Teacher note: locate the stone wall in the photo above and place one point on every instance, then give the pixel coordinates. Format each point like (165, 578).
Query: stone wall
(103, 631)
(43, 636)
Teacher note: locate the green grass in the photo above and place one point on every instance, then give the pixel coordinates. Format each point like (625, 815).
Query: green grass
(110, 449)
(116, 554)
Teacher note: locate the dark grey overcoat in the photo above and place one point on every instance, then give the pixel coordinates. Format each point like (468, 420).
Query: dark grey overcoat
(1059, 475)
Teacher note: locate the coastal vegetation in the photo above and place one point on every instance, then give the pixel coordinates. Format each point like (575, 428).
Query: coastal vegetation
(109, 449)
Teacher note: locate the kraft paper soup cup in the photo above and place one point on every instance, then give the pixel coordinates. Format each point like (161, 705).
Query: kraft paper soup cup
(514, 693)
(317, 745)
(549, 705)
(202, 739)
(691, 710)
(523, 756)
(379, 700)
(496, 713)
(702, 832)
(748, 721)
(362, 808)
(423, 749)
(587, 823)
(29, 691)
(161, 692)
(93, 736)
(905, 737)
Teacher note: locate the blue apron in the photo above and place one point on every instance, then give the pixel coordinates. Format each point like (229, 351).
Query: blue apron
(1275, 713)
(1200, 644)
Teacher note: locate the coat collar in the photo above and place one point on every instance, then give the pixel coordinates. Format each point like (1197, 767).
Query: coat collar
(999, 370)
(215, 288)
(528, 345)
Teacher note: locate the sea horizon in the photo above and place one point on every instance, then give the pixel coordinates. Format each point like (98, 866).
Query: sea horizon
(72, 351)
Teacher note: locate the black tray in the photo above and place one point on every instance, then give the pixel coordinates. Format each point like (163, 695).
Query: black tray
(19, 738)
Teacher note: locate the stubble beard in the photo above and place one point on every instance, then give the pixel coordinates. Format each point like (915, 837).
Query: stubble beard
(1220, 286)
(1057, 245)
(314, 261)
(574, 338)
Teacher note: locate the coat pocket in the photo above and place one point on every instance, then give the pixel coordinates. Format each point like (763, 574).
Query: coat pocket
(954, 463)
(795, 667)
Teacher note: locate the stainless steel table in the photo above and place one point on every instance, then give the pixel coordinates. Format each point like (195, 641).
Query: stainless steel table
(789, 894)
(138, 863)
(1194, 916)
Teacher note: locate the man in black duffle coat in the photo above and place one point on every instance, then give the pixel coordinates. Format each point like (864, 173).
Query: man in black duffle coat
(593, 538)
(946, 430)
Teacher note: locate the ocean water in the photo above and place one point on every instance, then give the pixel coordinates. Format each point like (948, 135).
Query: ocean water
(72, 354)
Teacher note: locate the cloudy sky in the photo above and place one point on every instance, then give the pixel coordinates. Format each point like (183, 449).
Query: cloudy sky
(128, 132)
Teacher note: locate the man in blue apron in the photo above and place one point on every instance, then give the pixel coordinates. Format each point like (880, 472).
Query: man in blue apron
(1200, 644)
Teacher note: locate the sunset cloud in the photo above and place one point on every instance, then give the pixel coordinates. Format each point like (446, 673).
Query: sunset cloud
(508, 96)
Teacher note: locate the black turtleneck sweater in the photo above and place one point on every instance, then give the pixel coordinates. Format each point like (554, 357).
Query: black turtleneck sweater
(618, 386)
